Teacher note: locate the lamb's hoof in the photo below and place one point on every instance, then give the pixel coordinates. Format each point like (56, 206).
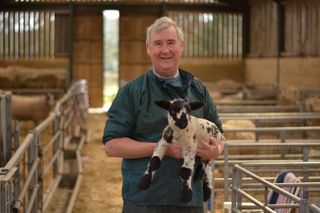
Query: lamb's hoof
(206, 193)
(186, 194)
(145, 182)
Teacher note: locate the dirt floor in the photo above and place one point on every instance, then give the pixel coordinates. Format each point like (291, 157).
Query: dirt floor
(100, 189)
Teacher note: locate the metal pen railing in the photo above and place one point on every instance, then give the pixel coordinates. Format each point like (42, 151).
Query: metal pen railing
(30, 177)
(241, 190)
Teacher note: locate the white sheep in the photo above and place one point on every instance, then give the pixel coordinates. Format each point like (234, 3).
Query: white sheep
(185, 130)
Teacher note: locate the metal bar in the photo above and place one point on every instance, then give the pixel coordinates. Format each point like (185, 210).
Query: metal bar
(33, 199)
(52, 140)
(19, 201)
(239, 144)
(46, 199)
(45, 123)
(3, 132)
(2, 33)
(50, 164)
(77, 183)
(289, 164)
(275, 129)
(225, 170)
(266, 183)
(14, 160)
(253, 200)
(34, 35)
(218, 41)
(45, 34)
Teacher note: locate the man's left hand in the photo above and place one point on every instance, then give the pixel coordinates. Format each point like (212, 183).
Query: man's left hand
(211, 150)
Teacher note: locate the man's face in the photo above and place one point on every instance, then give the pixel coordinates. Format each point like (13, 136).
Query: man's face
(165, 50)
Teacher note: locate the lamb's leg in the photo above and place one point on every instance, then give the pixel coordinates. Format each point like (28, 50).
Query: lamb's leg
(186, 174)
(156, 158)
(207, 182)
(199, 170)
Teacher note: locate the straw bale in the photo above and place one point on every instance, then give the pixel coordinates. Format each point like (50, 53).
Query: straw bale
(24, 77)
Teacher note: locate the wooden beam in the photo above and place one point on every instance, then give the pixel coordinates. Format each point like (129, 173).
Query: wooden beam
(143, 7)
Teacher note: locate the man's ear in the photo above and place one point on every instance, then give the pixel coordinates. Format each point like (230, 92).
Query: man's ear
(182, 46)
(195, 105)
(164, 104)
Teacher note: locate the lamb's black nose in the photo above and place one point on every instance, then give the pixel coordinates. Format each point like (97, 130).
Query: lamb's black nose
(182, 122)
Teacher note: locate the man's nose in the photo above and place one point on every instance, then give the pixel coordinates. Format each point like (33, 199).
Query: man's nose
(165, 48)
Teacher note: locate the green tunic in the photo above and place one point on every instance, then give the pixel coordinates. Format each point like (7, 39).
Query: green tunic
(133, 114)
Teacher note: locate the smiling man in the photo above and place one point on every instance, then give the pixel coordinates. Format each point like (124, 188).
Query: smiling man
(135, 125)
(165, 47)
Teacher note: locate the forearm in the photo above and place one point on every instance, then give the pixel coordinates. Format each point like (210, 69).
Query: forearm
(128, 148)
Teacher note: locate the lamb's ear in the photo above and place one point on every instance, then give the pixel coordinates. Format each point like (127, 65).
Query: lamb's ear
(195, 105)
(163, 104)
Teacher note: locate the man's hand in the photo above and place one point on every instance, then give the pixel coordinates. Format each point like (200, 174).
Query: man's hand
(209, 151)
(174, 151)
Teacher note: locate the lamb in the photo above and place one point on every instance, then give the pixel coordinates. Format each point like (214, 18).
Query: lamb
(185, 130)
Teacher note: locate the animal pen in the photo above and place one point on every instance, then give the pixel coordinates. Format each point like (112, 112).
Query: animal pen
(48, 157)
(300, 193)
(260, 60)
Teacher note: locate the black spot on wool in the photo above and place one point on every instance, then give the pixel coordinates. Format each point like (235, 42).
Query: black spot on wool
(168, 135)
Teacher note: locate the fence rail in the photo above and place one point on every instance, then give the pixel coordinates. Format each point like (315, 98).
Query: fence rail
(241, 192)
(5, 133)
(31, 176)
(282, 149)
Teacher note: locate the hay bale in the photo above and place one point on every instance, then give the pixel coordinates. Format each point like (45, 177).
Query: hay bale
(25, 77)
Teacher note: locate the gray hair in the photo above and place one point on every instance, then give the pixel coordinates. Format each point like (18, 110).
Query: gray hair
(163, 23)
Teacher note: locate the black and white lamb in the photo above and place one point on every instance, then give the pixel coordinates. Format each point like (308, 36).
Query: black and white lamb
(185, 130)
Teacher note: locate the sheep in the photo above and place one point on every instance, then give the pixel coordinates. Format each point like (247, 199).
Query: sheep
(35, 108)
(185, 130)
(244, 123)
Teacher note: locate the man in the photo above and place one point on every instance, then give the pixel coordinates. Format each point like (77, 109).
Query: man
(135, 125)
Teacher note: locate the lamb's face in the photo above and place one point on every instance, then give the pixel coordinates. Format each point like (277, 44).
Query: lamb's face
(179, 113)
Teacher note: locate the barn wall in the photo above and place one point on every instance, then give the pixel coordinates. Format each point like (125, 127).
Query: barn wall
(88, 53)
(211, 70)
(293, 71)
(263, 28)
(302, 21)
(299, 22)
(300, 72)
(261, 71)
(134, 59)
